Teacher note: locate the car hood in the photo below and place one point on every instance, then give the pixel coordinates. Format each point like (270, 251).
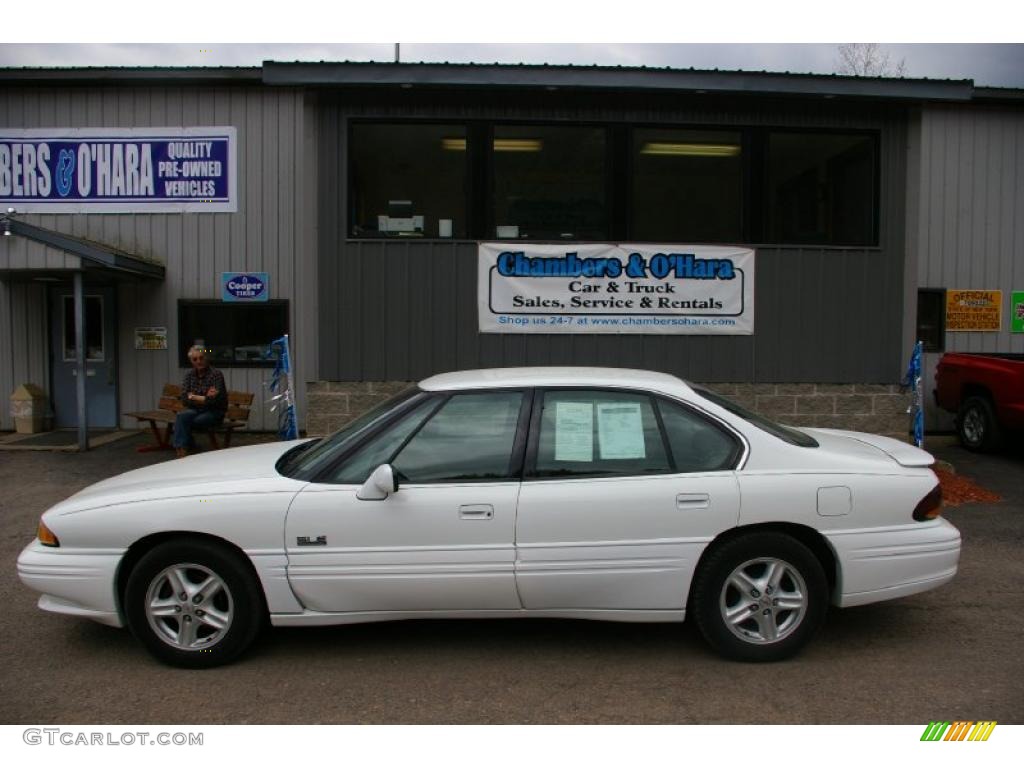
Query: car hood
(232, 470)
(862, 444)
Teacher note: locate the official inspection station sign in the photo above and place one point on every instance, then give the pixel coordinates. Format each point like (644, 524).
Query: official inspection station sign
(118, 170)
(604, 288)
(970, 310)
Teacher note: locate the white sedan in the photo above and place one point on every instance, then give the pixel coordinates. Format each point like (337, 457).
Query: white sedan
(547, 492)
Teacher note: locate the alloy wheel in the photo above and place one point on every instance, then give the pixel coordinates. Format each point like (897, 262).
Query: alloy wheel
(189, 607)
(763, 600)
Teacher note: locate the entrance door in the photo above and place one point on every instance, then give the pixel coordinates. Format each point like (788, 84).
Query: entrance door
(100, 348)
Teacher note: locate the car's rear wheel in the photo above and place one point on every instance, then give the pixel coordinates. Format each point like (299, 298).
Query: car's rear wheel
(976, 424)
(194, 604)
(760, 597)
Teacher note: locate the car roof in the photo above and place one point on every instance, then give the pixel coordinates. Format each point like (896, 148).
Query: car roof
(566, 376)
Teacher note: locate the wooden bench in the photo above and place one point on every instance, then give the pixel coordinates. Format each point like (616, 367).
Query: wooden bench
(237, 416)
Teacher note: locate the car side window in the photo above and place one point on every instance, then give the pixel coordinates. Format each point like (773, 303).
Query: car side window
(471, 437)
(380, 448)
(594, 433)
(697, 445)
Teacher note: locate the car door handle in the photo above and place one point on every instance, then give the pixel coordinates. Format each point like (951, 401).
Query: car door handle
(476, 511)
(693, 501)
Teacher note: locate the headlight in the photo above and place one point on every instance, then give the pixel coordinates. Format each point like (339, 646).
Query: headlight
(46, 537)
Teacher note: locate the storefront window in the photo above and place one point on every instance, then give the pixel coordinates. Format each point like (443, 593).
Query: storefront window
(235, 335)
(408, 180)
(485, 181)
(550, 183)
(821, 188)
(687, 186)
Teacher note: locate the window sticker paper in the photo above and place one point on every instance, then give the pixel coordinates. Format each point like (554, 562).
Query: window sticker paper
(574, 432)
(620, 431)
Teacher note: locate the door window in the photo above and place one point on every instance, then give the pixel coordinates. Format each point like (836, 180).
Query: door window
(471, 437)
(697, 445)
(380, 448)
(590, 433)
(94, 351)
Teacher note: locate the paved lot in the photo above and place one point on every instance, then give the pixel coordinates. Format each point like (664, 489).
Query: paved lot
(950, 654)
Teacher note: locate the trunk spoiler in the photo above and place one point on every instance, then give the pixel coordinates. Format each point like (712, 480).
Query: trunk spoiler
(902, 453)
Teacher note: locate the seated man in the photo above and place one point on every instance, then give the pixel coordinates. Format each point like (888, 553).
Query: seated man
(206, 399)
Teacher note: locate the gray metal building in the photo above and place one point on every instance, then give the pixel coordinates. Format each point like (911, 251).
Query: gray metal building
(935, 169)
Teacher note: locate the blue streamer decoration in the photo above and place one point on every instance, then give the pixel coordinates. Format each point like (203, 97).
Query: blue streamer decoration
(913, 381)
(280, 383)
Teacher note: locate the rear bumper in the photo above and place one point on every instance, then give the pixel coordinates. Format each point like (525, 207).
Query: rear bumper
(886, 563)
(73, 583)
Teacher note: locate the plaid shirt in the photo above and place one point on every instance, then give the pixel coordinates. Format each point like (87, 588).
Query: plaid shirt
(199, 384)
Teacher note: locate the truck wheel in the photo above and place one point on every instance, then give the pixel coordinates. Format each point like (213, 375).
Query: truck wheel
(976, 425)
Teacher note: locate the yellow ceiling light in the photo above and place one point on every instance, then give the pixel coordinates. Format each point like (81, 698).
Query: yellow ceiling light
(518, 145)
(690, 150)
(500, 145)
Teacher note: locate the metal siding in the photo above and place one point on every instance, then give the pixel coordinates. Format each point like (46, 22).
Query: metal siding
(268, 233)
(23, 349)
(968, 231)
(406, 310)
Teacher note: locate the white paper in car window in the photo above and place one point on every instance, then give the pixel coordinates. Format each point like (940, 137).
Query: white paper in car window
(620, 431)
(574, 432)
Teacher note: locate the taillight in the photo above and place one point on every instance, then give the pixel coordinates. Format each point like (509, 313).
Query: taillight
(46, 537)
(929, 507)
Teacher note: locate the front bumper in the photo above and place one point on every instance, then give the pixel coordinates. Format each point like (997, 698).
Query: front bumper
(886, 563)
(73, 582)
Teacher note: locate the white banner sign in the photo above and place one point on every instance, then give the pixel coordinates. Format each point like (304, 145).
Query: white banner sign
(599, 288)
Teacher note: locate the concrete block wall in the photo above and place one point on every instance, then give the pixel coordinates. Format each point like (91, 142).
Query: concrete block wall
(330, 405)
(876, 408)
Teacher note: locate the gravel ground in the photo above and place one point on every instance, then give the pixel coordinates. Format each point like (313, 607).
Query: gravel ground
(946, 654)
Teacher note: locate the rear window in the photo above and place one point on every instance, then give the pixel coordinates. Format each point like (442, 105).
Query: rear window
(790, 435)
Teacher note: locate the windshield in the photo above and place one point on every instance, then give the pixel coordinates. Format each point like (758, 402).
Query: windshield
(790, 435)
(306, 460)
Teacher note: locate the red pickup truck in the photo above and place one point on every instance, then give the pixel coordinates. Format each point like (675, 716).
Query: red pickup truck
(985, 391)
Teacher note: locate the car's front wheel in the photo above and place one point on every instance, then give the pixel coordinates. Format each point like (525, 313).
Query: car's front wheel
(760, 597)
(194, 604)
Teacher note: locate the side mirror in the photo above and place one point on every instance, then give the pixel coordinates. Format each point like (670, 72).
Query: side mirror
(379, 484)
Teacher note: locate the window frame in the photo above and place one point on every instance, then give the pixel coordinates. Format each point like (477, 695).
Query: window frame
(469, 177)
(747, 175)
(941, 332)
(619, 177)
(182, 358)
(740, 447)
(65, 314)
(530, 464)
(762, 164)
(610, 187)
(442, 397)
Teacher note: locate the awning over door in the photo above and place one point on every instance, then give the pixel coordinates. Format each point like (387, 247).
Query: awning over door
(46, 254)
(73, 254)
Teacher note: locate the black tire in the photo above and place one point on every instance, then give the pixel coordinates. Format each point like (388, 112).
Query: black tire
(713, 595)
(976, 425)
(236, 602)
